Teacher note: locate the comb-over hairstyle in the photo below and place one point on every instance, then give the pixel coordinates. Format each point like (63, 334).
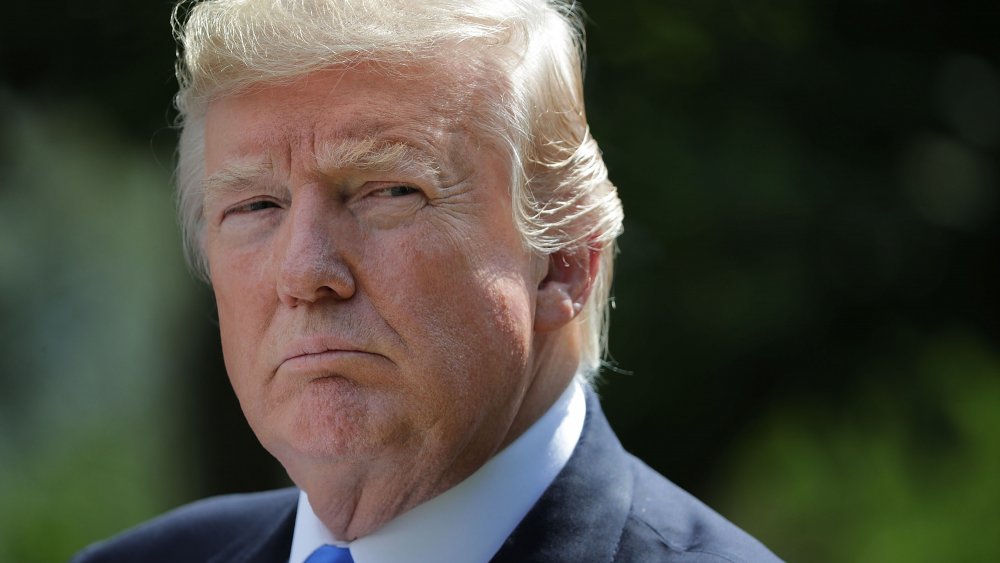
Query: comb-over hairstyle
(528, 55)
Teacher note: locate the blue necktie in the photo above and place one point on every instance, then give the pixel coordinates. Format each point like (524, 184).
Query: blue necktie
(330, 554)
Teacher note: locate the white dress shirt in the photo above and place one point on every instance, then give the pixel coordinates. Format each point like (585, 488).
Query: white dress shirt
(469, 522)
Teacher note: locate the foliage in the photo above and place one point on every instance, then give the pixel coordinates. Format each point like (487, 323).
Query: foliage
(908, 473)
(89, 334)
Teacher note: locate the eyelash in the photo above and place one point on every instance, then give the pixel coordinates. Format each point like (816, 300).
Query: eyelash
(393, 191)
(259, 205)
(401, 190)
(252, 206)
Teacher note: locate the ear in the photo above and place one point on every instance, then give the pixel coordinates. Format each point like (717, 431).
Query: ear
(565, 287)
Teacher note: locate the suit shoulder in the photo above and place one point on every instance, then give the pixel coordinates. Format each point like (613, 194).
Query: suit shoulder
(666, 523)
(197, 531)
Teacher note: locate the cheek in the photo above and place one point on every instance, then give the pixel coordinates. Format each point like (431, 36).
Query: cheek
(234, 338)
(244, 304)
(464, 298)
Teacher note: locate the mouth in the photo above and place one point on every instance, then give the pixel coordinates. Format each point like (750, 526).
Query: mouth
(320, 355)
(318, 360)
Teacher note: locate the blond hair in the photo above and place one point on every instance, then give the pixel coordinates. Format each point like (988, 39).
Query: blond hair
(532, 49)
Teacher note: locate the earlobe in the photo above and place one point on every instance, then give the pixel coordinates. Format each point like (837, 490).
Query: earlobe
(565, 288)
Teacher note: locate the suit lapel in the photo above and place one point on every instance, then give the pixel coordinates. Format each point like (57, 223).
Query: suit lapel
(580, 517)
(268, 542)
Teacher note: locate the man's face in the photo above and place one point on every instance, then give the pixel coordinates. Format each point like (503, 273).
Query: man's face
(375, 301)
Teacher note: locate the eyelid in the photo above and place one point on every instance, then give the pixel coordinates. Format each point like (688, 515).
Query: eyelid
(379, 189)
(244, 206)
(383, 190)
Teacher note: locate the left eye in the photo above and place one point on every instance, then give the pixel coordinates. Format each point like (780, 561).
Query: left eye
(396, 191)
(259, 205)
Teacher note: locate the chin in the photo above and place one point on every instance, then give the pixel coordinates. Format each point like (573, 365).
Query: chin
(327, 430)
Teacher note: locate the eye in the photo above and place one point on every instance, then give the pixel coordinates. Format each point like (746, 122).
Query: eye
(252, 206)
(259, 205)
(395, 191)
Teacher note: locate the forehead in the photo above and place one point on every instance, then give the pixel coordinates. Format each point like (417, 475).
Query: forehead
(431, 110)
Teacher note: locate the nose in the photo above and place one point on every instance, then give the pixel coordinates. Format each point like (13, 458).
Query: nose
(312, 265)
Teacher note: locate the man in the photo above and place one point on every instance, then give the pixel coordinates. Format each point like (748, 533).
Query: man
(409, 232)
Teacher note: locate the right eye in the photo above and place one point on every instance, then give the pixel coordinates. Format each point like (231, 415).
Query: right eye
(252, 206)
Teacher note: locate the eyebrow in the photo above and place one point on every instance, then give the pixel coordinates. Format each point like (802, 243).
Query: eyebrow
(234, 178)
(372, 154)
(365, 154)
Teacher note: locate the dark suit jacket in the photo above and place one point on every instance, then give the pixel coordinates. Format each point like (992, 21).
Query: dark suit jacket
(605, 506)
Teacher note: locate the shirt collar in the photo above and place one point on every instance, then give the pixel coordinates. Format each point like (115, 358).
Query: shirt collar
(485, 507)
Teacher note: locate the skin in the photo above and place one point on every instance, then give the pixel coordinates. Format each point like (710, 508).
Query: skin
(383, 324)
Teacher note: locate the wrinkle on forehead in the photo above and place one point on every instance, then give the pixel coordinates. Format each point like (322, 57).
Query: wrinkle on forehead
(420, 138)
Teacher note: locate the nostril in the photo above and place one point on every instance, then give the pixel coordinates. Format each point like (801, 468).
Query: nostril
(330, 278)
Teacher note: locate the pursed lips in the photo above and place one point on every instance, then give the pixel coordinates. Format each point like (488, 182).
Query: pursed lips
(309, 352)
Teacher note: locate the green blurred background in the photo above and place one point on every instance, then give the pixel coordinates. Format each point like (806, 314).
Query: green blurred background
(806, 321)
